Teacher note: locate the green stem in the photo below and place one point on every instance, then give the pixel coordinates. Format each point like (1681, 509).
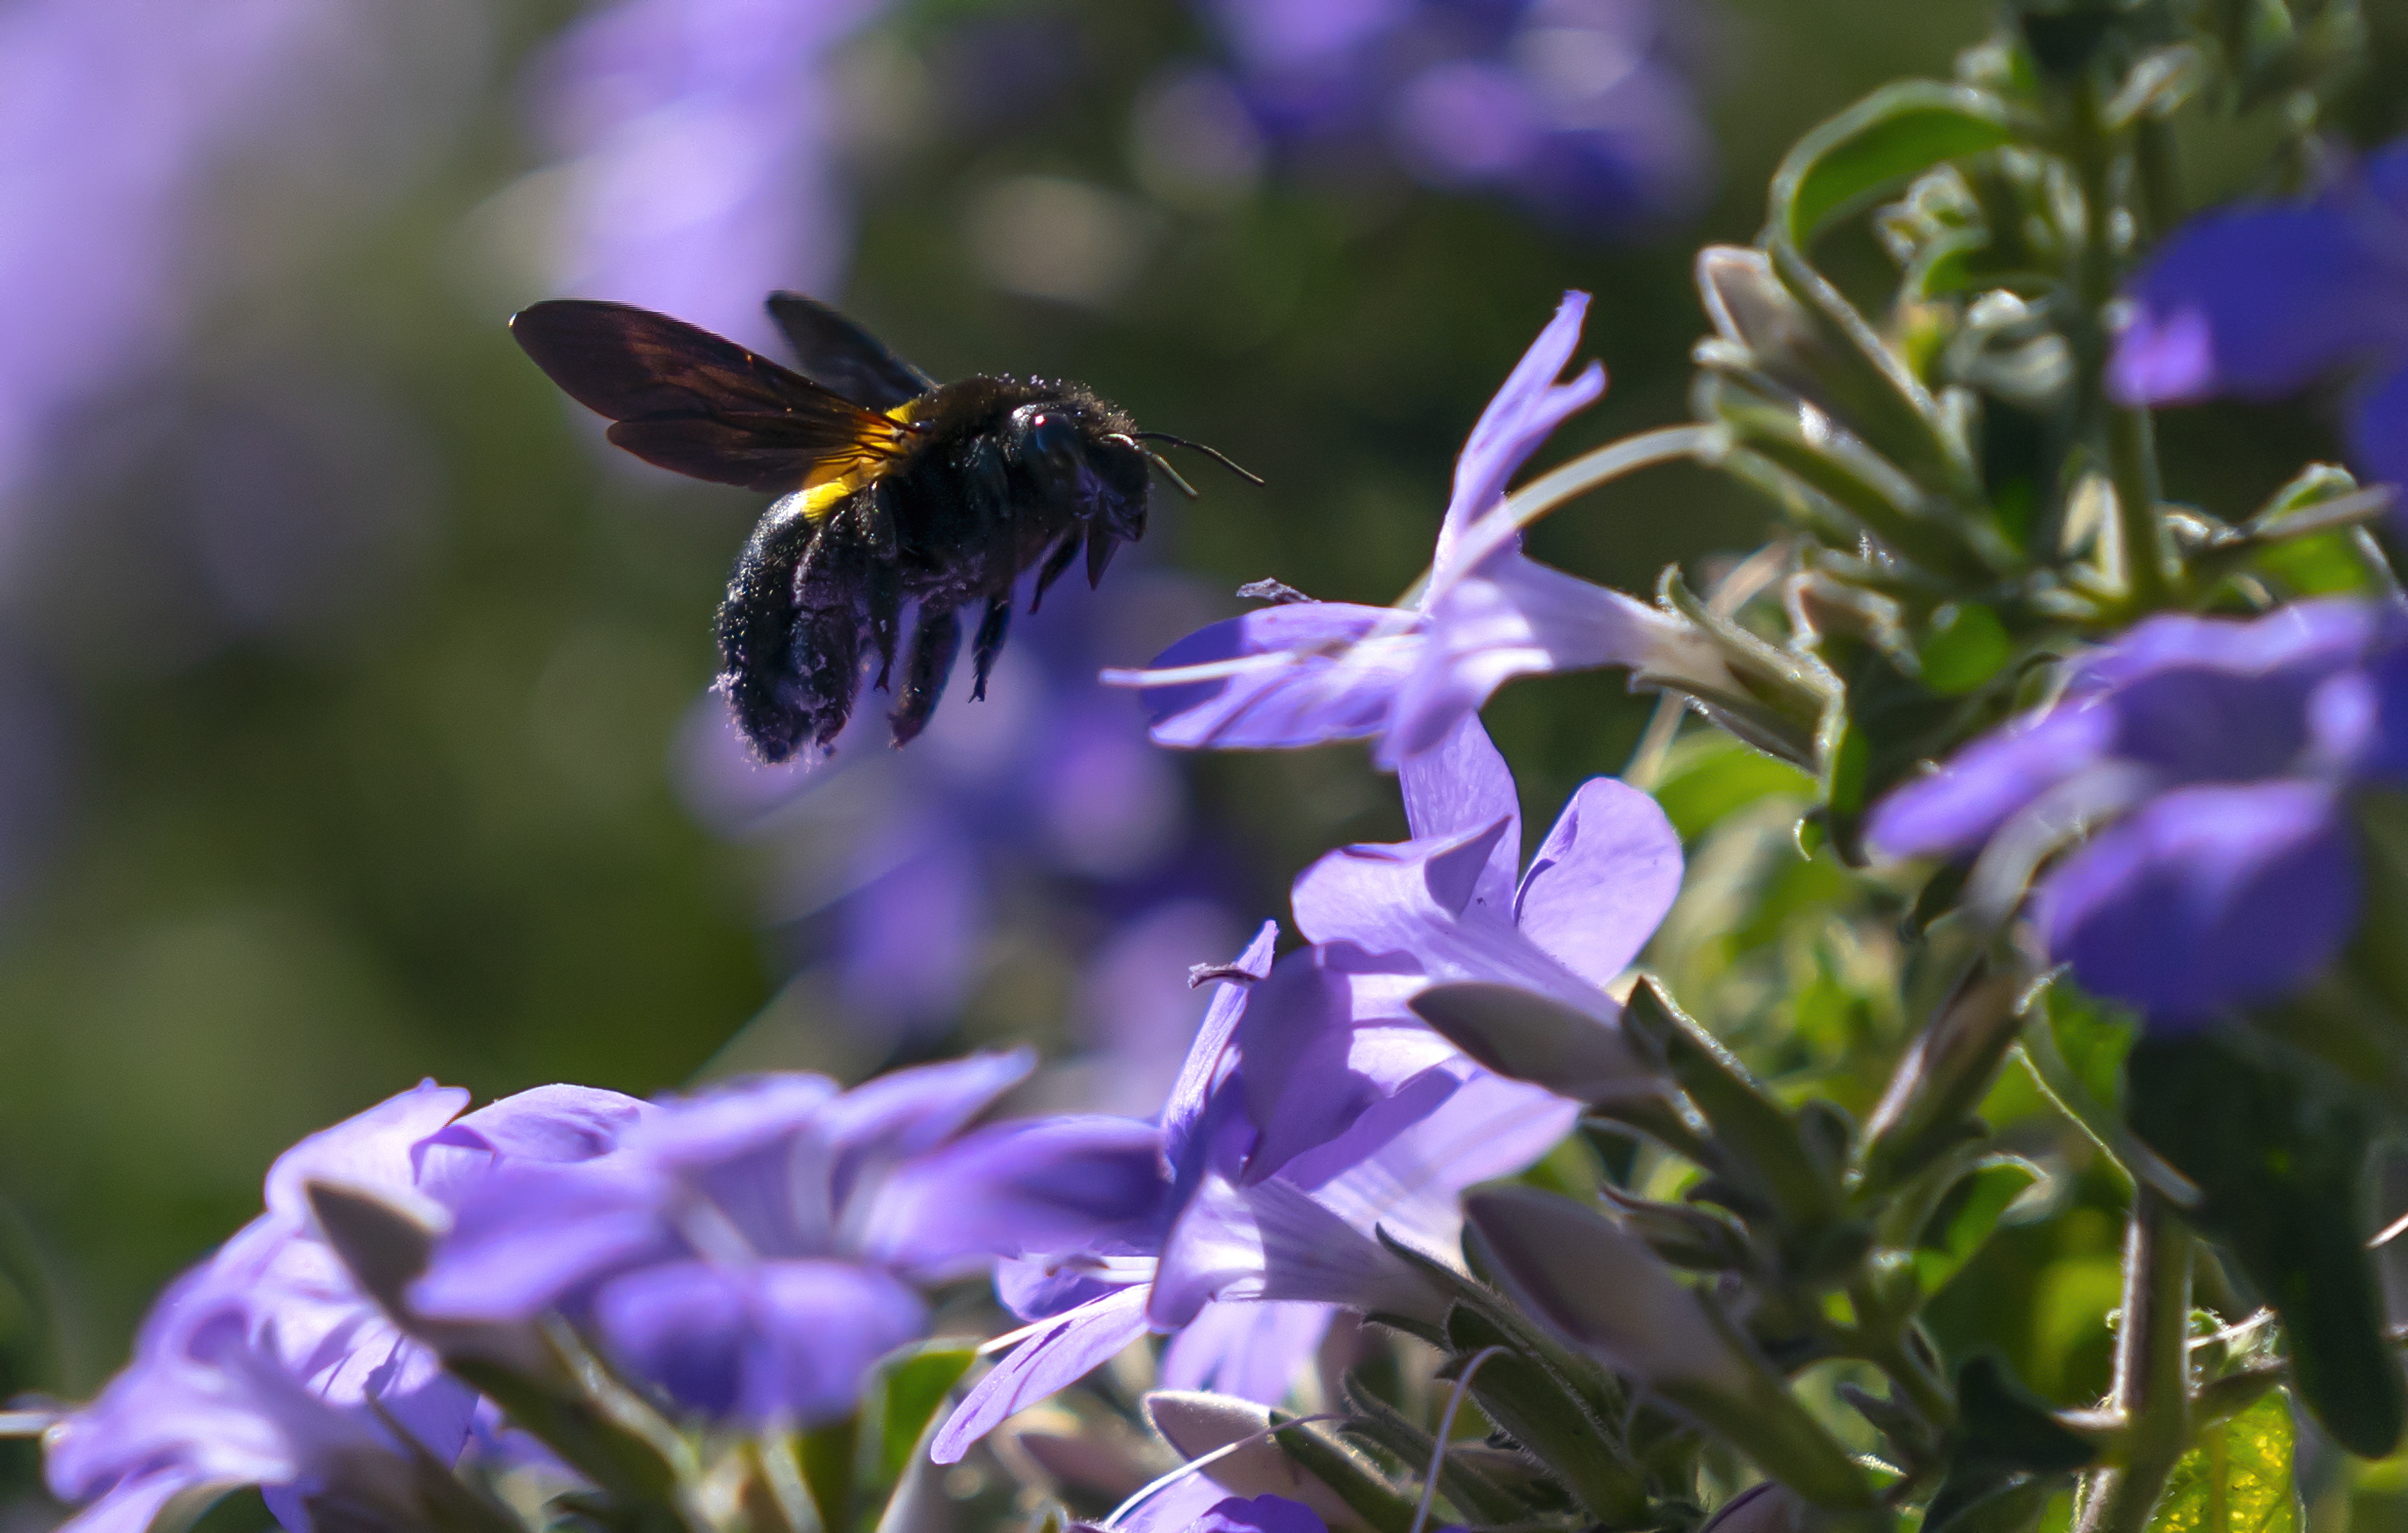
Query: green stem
(2151, 1369)
(2128, 441)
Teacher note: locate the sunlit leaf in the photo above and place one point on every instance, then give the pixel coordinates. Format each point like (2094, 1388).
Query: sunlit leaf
(1897, 131)
(2238, 1479)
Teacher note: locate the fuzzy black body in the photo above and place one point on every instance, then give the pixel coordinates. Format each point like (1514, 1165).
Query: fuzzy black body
(897, 493)
(1004, 475)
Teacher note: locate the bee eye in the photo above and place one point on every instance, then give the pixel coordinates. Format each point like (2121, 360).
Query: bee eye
(1052, 435)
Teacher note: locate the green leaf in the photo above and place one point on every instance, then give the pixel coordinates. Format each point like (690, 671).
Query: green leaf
(2278, 1158)
(2237, 1479)
(1968, 1216)
(909, 1386)
(1964, 647)
(1711, 776)
(1897, 133)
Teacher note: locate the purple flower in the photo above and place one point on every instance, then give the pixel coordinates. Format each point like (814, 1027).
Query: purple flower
(902, 858)
(1306, 672)
(1315, 1111)
(267, 1365)
(752, 1249)
(1580, 109)
(2260, 301)
(1247, 1514)
(2218, 755)
(698, 136)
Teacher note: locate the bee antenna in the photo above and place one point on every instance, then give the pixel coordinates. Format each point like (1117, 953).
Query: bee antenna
(1213, 452)
(1160, 461)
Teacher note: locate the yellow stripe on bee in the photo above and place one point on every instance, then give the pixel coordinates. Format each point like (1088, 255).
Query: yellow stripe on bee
(819, 499)
(833, 478)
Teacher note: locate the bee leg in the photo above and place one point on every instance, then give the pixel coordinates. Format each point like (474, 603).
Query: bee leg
(989, 642)
(933, 644)
(1056, 562)
(882, 588)
(756, 635)
(1101, 546)
(826, 656)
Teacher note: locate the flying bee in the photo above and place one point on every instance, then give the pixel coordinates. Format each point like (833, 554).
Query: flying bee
(892, 489)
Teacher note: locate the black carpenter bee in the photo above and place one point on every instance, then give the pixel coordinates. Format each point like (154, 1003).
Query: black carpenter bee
(894, 489)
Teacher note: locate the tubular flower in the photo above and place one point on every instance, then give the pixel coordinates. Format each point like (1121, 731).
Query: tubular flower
(1307, 672)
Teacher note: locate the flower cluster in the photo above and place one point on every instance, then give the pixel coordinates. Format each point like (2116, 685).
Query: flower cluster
(1580, 109)
(270, 1365)
(2219, 757)
(1449, 1109)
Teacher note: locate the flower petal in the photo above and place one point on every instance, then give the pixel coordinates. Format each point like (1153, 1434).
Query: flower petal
(1525, 410)
(1603, 881)
(373, 1149)
(1207, 1057)
(2378, 431)
(1273, 1240)
(1073, 1345)
(1984, 785)
(1462, 784)
(1506, 618)
(1301, 674)
(1017, 1189)
(1250, 1349)
(531, 1237)
(2207, 898)
(2259, 301)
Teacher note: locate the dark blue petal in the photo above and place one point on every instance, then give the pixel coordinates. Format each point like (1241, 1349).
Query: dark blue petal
(2258, 303)
(2378, 432)
(1261, 1514)
(2206, 898)
(1982, 785)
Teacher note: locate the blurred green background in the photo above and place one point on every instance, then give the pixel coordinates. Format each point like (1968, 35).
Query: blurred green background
(414, 812)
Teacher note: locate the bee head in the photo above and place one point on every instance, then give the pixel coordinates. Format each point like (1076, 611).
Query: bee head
(1083, 459)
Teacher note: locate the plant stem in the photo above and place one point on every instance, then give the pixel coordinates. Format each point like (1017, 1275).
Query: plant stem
(2129, 443)
(2151, 1368)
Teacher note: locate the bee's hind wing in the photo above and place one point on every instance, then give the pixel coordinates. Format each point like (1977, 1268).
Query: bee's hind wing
(839, 354)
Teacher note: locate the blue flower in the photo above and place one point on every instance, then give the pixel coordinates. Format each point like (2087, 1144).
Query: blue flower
(755, 1249)
(1579, 109)
(267, 1365)
(1306, 672)
(1315, 1109)
(2218, 756)
(2258, 302)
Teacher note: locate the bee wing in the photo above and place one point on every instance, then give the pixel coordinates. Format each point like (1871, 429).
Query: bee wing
(842, 356)
(696, 403)
(769, 452)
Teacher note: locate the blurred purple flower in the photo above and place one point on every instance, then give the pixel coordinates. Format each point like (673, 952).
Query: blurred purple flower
(2260, 301)
(1051, 775)
(267, 1365)
(1305, 672)
(698, 139)
(2223, 753)
(752, 1249)
(1581, 109)
(116, 112)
